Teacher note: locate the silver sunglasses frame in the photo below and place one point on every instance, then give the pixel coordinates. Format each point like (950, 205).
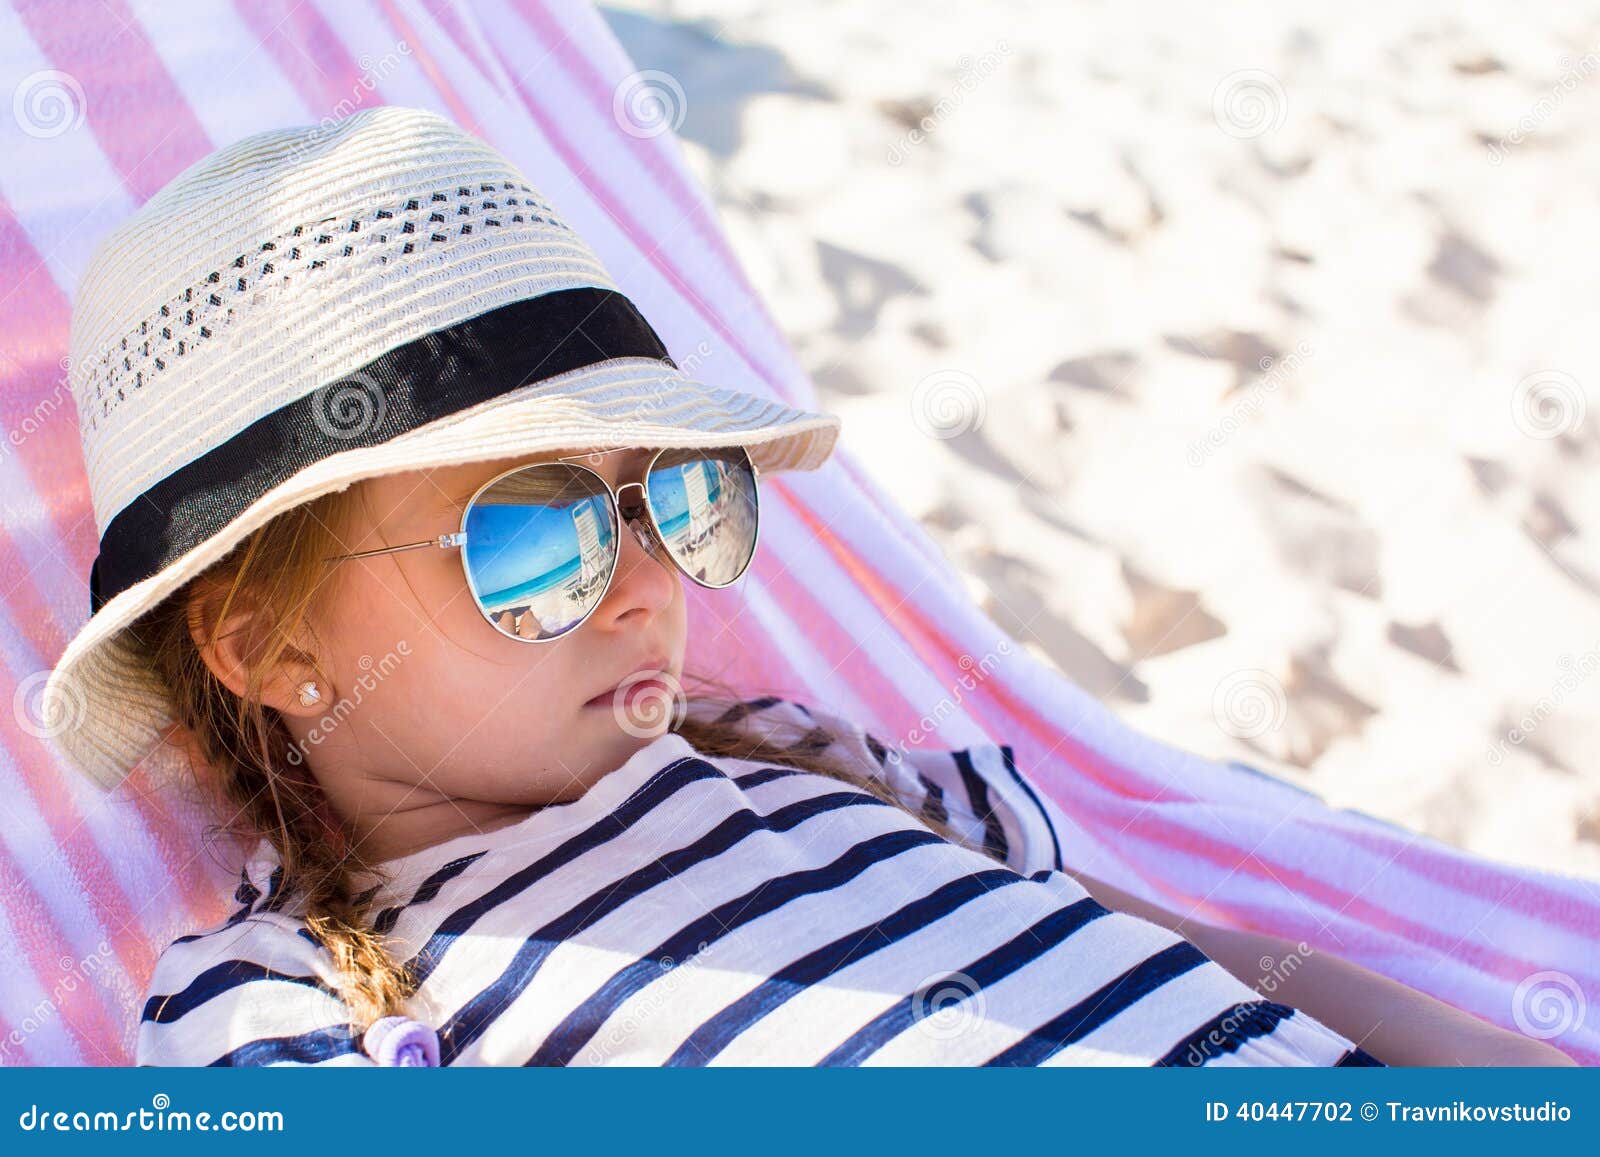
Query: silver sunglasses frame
(613, 495)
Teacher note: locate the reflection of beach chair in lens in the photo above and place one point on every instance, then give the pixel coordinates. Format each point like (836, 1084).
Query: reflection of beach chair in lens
(848, 602)
(702, 520)
(592, 570)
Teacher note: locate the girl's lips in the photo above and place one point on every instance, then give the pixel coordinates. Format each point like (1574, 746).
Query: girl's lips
(652, 685)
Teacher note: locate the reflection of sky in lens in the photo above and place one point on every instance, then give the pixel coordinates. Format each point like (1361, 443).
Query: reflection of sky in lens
(511, 545)
(670, 499)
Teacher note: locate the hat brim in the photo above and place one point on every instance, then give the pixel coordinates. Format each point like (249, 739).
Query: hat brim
(105, 709)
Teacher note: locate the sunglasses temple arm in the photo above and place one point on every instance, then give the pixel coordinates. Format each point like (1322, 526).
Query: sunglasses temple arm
(444, 541)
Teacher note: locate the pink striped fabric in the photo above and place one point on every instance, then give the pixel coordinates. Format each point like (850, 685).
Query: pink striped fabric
(849, 604)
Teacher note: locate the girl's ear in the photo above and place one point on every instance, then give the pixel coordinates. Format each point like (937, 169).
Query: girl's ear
(232, 646)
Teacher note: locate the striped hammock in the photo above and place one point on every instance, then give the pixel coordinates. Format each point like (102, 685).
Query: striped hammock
(849, 605)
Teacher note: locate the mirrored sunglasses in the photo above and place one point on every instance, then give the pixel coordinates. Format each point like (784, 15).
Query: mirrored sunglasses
(539, 543)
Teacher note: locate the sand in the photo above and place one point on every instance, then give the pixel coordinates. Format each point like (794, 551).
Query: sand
(1242, 361)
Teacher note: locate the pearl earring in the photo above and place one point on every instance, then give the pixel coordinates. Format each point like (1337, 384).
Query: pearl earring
(309, 694)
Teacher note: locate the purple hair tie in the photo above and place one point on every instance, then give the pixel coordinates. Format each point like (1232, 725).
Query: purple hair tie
(400, 1041)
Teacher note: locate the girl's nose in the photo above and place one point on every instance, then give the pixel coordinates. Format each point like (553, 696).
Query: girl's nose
(645, 579)
(642, 534)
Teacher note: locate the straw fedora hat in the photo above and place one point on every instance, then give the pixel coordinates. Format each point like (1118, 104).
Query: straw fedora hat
(313, 306)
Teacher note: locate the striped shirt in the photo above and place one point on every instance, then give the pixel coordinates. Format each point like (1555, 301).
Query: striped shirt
(691, 911)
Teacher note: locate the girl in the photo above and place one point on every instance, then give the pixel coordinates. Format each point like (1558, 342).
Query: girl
(396, 495)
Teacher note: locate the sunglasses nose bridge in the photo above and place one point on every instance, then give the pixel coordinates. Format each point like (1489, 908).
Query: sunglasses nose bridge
(635, 515)
(632, 510)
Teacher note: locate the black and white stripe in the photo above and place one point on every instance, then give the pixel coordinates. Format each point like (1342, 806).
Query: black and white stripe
(688, 912)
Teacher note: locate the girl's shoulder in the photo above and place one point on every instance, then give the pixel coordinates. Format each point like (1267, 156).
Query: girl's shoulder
(976, 792)
(257, 987)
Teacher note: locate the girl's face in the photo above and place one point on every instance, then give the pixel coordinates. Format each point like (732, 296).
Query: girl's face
(440, 724)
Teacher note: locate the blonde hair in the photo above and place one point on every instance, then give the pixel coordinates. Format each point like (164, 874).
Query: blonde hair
(244, 760)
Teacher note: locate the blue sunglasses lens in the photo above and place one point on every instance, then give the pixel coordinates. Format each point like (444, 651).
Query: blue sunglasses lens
(542, 541)
(705, 505)
(541, 546)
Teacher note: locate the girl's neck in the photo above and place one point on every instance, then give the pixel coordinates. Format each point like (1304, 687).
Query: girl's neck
(405, 833)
